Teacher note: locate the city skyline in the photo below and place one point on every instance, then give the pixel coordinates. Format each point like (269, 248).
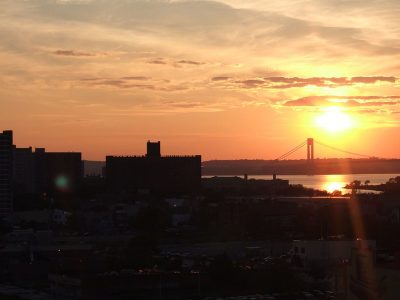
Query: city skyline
(199, 149)
(228, 79)
(299, 152)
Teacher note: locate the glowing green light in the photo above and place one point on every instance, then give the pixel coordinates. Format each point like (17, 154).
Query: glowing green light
(62, 182)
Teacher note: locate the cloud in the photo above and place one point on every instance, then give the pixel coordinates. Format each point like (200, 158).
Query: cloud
(250, 83)
(323, 81)
(373, 79)
(125, 82)
(280, 82)
(183, 104)
(174, 63)
(74, 53)
(346, 101)
(135, 78)
(197, 45)
(186, 105)
(157, 62)
(190, 62)
(211, 23)
(220, 78)
(119, 83)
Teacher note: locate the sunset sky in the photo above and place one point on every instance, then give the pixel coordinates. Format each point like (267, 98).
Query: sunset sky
(226, 79)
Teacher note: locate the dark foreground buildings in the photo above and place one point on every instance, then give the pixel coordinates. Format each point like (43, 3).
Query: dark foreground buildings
(6, 166)
(24, 171)
(58, 171)
(38, 172)
(154, 173)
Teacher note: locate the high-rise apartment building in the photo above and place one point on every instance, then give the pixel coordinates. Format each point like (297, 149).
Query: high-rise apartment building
(6, 172)
(24, 171)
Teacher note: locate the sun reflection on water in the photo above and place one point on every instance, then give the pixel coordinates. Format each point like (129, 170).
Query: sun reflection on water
(334, 183)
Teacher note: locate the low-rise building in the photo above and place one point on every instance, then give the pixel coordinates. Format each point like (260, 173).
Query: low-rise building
(326, 250)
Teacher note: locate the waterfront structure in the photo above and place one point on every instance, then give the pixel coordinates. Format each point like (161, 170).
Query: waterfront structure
(154, 173)
(6, 170)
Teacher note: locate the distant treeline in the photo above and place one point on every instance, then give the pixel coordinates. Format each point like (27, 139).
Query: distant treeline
(301, 167)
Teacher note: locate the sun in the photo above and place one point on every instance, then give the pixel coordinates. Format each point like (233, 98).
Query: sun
(333, 120)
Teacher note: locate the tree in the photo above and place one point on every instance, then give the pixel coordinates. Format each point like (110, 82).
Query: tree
(355, 183)
(336, 193)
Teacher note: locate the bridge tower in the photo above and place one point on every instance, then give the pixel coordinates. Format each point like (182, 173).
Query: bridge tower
(310, 149)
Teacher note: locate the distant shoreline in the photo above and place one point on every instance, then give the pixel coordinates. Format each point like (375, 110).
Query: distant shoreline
(329, 166)
(335, 166)
(297, 174)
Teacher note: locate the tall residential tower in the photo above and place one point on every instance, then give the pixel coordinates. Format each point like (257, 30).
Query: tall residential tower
(6, 172)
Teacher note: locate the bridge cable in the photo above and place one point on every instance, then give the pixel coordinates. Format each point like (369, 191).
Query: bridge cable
(292, 151)
(341, 150)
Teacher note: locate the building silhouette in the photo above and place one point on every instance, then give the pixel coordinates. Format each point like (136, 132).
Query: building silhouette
(153, 172)
(57, 171)
(153, 149)
(39, 172)
(6, 171)
(24, 171)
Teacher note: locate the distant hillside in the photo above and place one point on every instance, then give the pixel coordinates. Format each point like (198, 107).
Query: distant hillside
(92, 167)
(301, 167)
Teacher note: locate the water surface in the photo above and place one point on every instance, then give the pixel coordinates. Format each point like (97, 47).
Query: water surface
(329, 183)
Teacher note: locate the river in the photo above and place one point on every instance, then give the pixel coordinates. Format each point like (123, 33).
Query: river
(329, 183)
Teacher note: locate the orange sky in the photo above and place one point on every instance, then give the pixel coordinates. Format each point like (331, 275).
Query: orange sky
(226, 79)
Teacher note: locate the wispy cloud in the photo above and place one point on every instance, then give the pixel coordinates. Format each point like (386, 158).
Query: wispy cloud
(158, 61)
(345, 101)
(190, 62)
(296, 82)
(174, 63)
(128, 82)
(220, 78)
(232, 53)
(78, 53)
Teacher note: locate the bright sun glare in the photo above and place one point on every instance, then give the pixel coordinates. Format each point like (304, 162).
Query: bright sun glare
(334, 183)
(333, 119)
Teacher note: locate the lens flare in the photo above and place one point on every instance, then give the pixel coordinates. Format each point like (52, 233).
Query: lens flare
(62, 182)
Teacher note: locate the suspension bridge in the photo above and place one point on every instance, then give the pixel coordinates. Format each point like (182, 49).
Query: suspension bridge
(309, 144)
